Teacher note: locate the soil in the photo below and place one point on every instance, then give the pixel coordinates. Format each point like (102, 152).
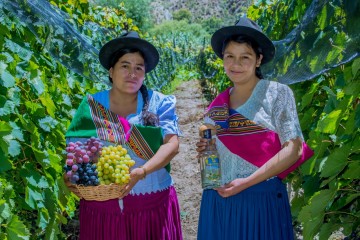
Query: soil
(190, 106)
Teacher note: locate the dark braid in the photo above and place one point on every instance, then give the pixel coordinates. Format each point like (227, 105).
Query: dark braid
(252, 43)
(149, 118)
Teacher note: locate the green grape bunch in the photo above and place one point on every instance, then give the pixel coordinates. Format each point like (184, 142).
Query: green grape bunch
(114, 165)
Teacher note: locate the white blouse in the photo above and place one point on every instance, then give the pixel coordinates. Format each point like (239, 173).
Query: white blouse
(271, 105)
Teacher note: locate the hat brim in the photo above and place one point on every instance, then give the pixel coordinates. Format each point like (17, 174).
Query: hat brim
(150, 53)
(218, 38)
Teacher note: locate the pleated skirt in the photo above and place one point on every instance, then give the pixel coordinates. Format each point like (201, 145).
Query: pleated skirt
(261, 212)
(154, 216)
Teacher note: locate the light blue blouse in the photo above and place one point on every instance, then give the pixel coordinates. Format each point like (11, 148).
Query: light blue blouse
(163, 106)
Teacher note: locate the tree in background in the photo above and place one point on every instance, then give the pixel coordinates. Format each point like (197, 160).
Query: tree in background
(212, 24)
(182, 14)
(138, 10)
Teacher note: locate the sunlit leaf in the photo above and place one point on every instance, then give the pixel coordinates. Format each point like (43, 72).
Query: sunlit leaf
(330, 123)
(323, 18)
(49, 104)
(5, 211)
(47, 123)
(16, 230)
(6, 79)
(43, 219)
(16, 132)
(38, 85)
(36, 180)
(6, 106)
(32, 196)
(23, 53)
(5, 128)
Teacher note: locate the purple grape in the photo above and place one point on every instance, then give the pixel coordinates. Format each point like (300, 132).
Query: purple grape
(69, 174)
(86, 158)
(90, 154)
(93, 149)
(74, 167)
(69, 162)
(79, 160)
(74, 178)
(70, 156)
(77, 150)
(83, 152)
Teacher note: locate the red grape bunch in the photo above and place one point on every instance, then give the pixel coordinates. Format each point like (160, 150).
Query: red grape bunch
(80, 164)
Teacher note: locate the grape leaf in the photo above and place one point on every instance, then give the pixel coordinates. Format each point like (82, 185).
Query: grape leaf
(6, 79)
(336, 161)
(47, 123)
(330, 123)
(32, 197)
(353, 171)
(17, 230)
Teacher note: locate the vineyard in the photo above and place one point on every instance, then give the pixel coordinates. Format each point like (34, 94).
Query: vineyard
(48, 62)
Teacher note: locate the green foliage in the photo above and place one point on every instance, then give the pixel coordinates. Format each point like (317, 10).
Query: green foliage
(211, 24)
(137, 10)
(334, 135)
(38, 97)
(182, 14)
(172, 29)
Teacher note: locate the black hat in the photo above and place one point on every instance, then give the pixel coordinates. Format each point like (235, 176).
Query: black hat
(133, 41)
(247, 28)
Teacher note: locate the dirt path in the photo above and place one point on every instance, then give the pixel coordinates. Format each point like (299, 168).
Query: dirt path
(184, 167)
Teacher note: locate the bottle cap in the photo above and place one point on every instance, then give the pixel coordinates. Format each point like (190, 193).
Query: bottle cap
(207, 133)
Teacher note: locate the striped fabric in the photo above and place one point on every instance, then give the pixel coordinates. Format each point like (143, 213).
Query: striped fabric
(107, 124)
(139, 145)
(252, 142)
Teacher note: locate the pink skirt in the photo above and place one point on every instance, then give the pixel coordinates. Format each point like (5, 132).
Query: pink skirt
(154, 216)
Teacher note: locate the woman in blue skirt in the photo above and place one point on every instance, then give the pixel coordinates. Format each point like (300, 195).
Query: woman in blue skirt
(259, 141)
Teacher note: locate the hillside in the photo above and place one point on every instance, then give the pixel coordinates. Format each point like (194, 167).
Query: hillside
(226, 10)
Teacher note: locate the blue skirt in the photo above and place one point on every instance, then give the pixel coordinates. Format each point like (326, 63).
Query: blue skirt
(259, 212)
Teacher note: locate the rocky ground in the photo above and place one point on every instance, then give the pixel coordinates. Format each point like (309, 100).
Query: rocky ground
(184, 167)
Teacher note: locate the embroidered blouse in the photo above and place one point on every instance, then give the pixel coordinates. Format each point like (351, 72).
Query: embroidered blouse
(270, 105)
(164, 107)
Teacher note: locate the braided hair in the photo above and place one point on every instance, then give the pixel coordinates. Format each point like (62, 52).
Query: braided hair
(252, 43)
(148, 118)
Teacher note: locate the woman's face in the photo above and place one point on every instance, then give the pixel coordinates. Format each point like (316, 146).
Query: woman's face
(240, 62)
(128, 73)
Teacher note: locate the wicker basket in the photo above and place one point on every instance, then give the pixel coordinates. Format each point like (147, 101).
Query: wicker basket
(100, 192)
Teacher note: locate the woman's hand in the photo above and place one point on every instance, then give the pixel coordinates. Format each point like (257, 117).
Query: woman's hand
(201, 145)
(135, 175)
(71, 186)
(232, 188)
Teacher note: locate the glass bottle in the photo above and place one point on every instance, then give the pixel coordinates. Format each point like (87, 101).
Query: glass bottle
(210, 164)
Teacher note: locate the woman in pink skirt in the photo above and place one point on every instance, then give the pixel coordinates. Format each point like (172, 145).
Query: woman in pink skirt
(145, 123)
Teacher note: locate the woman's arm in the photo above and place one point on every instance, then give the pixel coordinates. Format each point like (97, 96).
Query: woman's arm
(285, 158)
(162, 157)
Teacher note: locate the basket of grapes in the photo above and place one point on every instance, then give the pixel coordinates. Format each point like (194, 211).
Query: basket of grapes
(98, 172)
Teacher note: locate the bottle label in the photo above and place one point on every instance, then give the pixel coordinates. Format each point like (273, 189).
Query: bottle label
(211, 173)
